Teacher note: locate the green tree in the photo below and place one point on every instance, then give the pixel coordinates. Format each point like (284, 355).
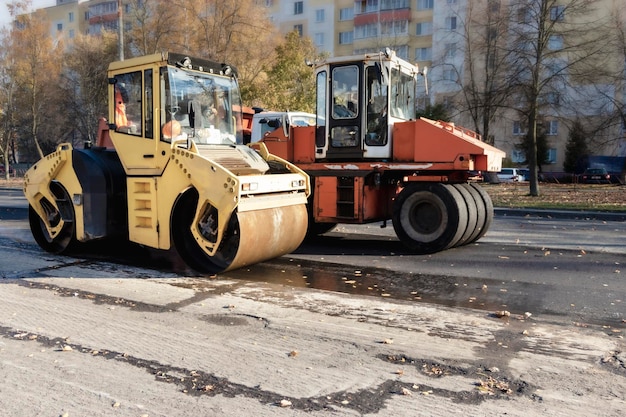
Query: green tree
(539, 145)
(576, 148)
(290, 82)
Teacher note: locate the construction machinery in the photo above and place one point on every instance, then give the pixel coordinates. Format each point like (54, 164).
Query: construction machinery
(169, 170)
(371, 160)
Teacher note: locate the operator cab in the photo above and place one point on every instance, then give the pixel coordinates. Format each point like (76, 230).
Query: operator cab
(166, 99)
(358, 102)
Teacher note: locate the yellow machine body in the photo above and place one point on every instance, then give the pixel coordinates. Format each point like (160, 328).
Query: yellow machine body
(169, 168)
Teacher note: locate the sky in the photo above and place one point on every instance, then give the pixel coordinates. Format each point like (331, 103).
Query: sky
(5, 19)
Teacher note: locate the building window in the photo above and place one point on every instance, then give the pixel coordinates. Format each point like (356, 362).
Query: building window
(518, 156)
(450, 50)
(71, 34)
(518, 128)
(424, 4)
(70, 17)
(450, 75)
(452, 1)
(298, 7)
(59, 27)
(319, 39)
(551, 156)
(398, 27)
(269, 3)
(345, 38)
(557, 13)
(555, 42)
(346, 13)
(402, 52)
(553, 98)
(552, 128)
(423, 54)
(319, 15)
(523, 15)
(424, 28)
(366, 31)
(299, 29)
(451, 22)
(394, 4)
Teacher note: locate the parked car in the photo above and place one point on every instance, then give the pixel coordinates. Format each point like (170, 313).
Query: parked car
(595, 176)
(525, 173)
(510, 175)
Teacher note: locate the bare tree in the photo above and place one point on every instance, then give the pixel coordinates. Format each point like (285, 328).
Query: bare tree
(34, 56)
(485, 85)
(156, 26)
(84, 83)
(7, 102)
(551, 43)
(235, 32)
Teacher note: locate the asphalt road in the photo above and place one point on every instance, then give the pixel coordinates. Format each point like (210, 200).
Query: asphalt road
(348, 325)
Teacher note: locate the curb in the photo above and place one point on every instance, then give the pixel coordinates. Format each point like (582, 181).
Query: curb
(561, 214)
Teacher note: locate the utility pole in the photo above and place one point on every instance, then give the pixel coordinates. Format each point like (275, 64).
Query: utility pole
(120, 28)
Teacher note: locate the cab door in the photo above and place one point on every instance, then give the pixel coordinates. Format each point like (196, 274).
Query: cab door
(132, 121)
(345, 136)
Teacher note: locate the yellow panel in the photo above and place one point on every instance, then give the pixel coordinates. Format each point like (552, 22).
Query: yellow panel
(142, 211)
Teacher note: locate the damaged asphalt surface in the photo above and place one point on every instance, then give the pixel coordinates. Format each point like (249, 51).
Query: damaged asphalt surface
(87, 336)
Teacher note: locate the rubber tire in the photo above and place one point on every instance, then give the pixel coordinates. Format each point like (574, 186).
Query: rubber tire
(472, 214)
(66, 239)
(186, 245)
(429, 217)
(315, 229)
(488, 205)
(481, 212)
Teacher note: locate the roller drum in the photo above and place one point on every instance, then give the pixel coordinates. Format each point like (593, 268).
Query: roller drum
(269, 233)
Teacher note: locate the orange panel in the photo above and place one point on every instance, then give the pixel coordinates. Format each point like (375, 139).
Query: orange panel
(429, 141)
(278, 144)
(325, 200)
(303, 145)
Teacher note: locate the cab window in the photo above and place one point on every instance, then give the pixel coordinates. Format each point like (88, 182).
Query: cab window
(128, 103)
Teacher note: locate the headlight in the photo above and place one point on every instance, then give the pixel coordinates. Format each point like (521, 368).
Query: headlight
(249, 186)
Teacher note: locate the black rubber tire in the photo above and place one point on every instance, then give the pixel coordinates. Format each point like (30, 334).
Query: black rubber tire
(429, 217)
(66, 239)
(481, 212)
(315, 229)
(186, 245)
(488, 205)
(472, 214)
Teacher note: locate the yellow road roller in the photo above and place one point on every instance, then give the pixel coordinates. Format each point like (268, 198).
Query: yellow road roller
(169, 169)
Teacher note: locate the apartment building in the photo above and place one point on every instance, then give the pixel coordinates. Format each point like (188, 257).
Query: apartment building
(66, 18)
